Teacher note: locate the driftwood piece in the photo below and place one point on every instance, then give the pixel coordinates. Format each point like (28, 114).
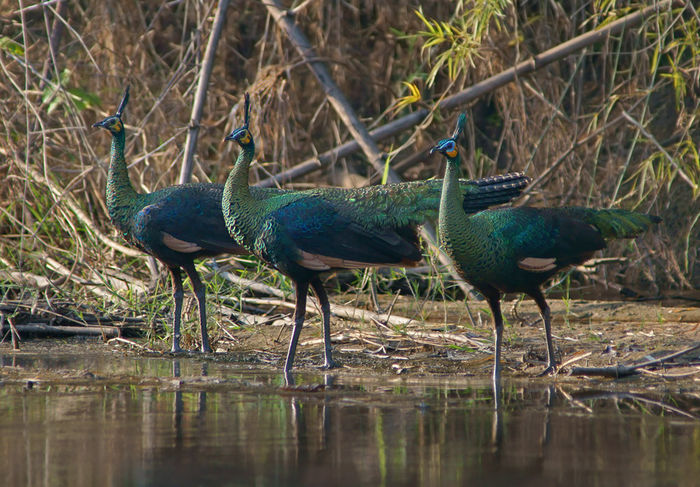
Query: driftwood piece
(201, 95)
(465, 96)
(620, 371)
(41, 329)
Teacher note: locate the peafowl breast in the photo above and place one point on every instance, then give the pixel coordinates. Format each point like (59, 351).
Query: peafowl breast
(176, 225)
(518, 249)
(303, 234)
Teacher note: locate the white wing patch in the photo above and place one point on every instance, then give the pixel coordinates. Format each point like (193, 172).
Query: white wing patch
(178, 245)
(537, 264)
(317, 262)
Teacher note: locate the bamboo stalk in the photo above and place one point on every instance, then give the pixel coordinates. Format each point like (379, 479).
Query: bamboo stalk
(465, 96)
(201, 95)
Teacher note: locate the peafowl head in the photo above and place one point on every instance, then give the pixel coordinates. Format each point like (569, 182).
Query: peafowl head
(242, 135)
(114, 123)
(448, 147)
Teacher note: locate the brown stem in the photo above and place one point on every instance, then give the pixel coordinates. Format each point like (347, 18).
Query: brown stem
(201, 95)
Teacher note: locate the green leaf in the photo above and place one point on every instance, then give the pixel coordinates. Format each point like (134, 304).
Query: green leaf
(385, 175)
(11, 46)
(87, 99)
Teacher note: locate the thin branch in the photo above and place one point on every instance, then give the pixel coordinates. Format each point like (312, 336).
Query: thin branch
(201, 95)
(348, 312)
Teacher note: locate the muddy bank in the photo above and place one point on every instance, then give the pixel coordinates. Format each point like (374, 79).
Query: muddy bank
(587, 334)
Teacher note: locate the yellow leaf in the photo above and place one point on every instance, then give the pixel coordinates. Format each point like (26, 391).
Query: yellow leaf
(413, 96)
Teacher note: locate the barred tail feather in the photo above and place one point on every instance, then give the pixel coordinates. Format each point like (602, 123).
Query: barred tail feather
(493, 191)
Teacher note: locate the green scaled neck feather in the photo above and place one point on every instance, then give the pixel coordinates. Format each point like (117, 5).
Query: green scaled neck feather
(452, 218)
(121, 195)
(239, 207)
(122, 200)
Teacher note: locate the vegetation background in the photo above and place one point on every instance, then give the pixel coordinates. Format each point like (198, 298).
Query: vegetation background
(612, 125)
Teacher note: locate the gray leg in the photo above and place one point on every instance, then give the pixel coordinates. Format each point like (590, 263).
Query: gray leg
(547, 318)
(494, 301)
(200, 293)
(326, 312)
(302, 288)
(177, 297)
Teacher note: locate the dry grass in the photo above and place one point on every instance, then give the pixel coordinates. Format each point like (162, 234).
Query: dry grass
(632, 102)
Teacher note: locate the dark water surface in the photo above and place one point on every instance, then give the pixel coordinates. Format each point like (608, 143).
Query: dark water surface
(114, 420)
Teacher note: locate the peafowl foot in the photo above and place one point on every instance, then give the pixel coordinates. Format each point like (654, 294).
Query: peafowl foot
(549, 371)
(206, 349)
(330, 364)
(176, 348)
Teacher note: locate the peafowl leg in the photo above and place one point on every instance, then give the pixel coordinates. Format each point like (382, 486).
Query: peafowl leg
(494, 299)
(302, 288)
(547, 318)
(177, 297)
(200, 293)
(326, 312)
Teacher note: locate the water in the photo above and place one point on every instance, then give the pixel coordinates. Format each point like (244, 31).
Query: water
(114, 420)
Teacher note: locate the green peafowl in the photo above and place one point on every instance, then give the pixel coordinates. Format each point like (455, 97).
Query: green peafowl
(305, 233)
(518, 249)
(178, 224)
(175, 225)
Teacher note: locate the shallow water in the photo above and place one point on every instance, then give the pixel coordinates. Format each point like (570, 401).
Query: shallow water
(111, 419)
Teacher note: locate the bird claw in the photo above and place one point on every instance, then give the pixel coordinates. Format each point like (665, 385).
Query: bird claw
(549, 371)
(206, 349)
(330, 364)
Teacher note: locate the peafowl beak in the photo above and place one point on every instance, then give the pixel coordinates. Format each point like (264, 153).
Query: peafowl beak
(240, 135)
(100, 123)
(433, 150)
(447, 147)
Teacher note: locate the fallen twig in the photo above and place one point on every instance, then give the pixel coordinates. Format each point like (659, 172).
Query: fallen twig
(128, 342)
(575, 358)
(671, 376)
(49, 330)
(347, 312)
(627, 370)
(250, 284)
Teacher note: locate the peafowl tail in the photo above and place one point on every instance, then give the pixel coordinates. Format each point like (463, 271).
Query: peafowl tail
(616, 223)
